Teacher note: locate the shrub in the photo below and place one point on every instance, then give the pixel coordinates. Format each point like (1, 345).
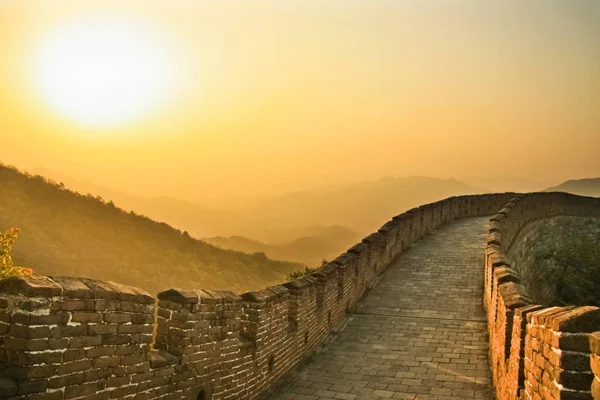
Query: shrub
(307, 271)
(7, 267)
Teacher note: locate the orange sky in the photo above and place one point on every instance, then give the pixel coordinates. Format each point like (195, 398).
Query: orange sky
(276, 96)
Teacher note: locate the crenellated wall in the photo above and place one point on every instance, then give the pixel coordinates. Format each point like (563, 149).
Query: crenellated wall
(536, 351)
(69, 338)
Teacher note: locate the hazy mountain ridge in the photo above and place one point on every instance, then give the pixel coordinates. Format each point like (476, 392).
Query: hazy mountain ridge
(65, 233)
(310, 250)
(582, 187)
(303, 226)
(501, 184)
(361, 207)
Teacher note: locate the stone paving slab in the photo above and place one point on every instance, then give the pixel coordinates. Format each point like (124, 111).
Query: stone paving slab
(420, 333)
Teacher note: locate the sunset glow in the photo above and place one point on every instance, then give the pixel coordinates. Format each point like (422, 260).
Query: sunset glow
(231, 101)
(102, 71)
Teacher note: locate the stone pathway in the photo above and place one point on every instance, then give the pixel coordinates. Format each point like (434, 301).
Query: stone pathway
(419, 334)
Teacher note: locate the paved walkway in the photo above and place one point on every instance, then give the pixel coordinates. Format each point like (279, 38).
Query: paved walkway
(419, 334)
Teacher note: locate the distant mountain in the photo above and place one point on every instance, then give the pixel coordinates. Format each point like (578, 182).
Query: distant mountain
(582, 187)
(277, 220)
(325, 243)
(361, 207)
(508, 184)
(286, 234)
(65, 233)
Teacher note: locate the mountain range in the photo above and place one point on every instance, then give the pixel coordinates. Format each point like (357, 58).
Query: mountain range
(318, 243)
(308, 226)
(582, 187)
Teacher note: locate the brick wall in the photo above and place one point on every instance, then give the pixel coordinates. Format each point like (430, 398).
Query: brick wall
(557, 353)
(69, 338)
(536, 352)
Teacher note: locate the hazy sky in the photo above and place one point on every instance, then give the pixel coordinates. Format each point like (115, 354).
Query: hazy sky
(270, 96)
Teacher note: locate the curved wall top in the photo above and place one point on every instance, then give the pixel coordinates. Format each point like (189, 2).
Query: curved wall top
(535, 351)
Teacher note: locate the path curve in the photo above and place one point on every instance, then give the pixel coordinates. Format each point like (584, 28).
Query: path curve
(421, 332)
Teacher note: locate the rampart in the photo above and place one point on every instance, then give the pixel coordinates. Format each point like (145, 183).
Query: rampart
(71, 338)
(536, 351)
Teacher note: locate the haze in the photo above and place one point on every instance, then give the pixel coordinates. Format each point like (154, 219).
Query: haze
(276, 97)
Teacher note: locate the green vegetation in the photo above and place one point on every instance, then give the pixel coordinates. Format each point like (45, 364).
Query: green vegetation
(307, 271)
(67, 233)
(573, 269)
(7, 267)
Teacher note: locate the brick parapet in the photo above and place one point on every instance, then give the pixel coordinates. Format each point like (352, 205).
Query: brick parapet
(515, 374)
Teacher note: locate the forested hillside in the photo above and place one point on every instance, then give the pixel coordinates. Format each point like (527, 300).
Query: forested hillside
(66, 233)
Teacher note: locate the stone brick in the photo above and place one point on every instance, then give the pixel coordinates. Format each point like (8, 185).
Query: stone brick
(67, 380)
(75, 366)
(106, 361)
(32, 358)
(83, 390)
(30, 286)
(74, 355)
(87, 316)
(595, 364)
(596, 389)
(8, 387)
(595, 342)
(59, 318)
(100, 351)
(101, 329)
(32, 387)
(85, 341)
(73, 288)
(29, 332)
(580, 319)
(117, 317)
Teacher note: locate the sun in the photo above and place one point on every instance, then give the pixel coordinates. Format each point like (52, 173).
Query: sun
(104, 71)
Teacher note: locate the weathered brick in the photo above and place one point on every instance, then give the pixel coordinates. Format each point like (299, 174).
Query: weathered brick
(110, 361)
(11, 343)
(8, 387)
(85, 341)
(67, 380)
(32, 387)
(75, 366)
(86, 389)
(84, 316)
(100, 351)
(117, 317)
(31, 358)
(102, 329)
(29, 332)
(59, 318)
(74, 355)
